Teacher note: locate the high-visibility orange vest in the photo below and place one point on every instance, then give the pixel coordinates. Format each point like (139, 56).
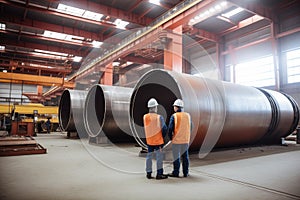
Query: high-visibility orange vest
(182, 128)
(152, 126)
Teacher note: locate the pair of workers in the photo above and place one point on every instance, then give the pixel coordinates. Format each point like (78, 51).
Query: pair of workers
(179, 131)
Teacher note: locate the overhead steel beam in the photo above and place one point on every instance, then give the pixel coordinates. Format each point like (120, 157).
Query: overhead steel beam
(184, 17)
(39, 37)
(244, 23)
(32, 79)
(200, 33)
(255, 8)
(42, 68)
(29, 45)
(36, 24)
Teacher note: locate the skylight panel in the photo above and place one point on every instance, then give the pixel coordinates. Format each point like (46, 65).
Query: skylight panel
(121, 24)
(70, 10)
(92, 15)
(156, 2)
(2, 26)
(232, 12)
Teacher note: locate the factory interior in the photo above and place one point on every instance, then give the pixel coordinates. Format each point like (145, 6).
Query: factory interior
(89, 88)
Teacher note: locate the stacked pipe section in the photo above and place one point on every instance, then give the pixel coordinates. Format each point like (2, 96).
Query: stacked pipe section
(223, 114)
(106, 113)
(70, 115)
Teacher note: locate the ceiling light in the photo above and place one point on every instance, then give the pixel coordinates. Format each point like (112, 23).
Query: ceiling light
(156, 2)
(115, 64)
(92, 15)
(2, 48)
(121, 24)
(2, 26)
(211, 10)
(70, 9)
(51, 52)
(223, 3)
(77, 58)
(96, 44)
(218, 7)
(79, 12)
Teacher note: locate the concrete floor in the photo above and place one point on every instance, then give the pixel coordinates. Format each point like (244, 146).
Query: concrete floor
(73, 169)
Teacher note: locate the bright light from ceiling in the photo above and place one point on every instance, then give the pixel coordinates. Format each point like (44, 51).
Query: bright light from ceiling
(156, 2)
(2, 48)
(232, 12)
(115, 64)
(2, 26)
(96, 44)
(51, 52)
(79, 12)
(70, 10)
(121, 24)
(63, 36)
(92, 15)
(77, 58)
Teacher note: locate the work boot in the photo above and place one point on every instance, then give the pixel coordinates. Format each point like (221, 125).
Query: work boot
(185, 175)
(173, 175)
(161, 176)
(149, 176)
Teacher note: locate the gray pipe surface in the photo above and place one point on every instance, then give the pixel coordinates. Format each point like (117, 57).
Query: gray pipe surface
(223, 114)
(70, 115)
(107, 113)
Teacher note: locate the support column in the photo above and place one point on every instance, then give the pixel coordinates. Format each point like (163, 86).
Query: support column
(221, 58)
(107, 78)
(39, 89)
(275, 49)
(173, 51)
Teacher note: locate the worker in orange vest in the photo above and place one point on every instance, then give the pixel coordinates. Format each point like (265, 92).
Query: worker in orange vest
(155, 131)
(179, 131)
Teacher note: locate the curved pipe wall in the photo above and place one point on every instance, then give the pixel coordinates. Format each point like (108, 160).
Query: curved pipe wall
(71, 111)
(223, 114)
(106, 112)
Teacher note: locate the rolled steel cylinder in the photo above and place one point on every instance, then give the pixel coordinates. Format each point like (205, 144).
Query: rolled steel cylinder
(106, 113)
(70, 112)
(223, 114)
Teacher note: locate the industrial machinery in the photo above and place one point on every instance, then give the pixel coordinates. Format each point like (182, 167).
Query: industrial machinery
(223, 114)
(22, 118)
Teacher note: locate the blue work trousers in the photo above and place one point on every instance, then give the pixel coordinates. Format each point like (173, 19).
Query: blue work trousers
(180, 150)
(159, 159)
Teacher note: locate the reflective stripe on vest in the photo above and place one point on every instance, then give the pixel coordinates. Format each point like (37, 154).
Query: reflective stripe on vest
(152, 128)
(182, 130)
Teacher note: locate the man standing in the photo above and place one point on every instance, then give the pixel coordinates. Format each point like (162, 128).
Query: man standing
(155, 130)
(179, 132)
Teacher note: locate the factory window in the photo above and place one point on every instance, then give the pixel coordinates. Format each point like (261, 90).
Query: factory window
(258, 73)
(293, 66)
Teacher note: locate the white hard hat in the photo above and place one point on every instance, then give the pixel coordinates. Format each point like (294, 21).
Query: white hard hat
(152, 103)
(178, 103)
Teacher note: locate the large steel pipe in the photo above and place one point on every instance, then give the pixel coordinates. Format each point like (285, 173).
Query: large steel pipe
(223, 114)
(70, 115)
(106, 113)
